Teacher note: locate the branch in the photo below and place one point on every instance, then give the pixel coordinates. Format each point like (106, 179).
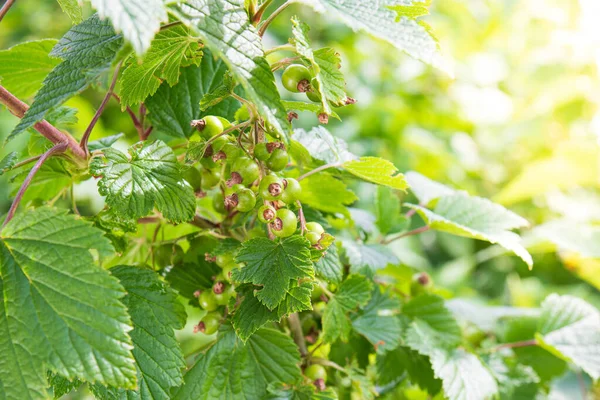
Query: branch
(86, 136)
(5, 8)
(265, 25)
(296, 328)
(58, 148)
(319, 169)
(405, 234)
(18, 109)
(514, 345)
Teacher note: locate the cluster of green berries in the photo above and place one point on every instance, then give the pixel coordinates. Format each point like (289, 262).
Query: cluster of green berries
(245, 178)
(216, 298)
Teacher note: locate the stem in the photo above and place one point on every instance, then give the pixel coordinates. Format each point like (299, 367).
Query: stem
(405, 234)
(260, 12)
(225, 132)
(301, 217)
(169, 25)
(203, 223)
(283, 47)
(328, 363)
(57, 148)
(410, 213)
(5, 8)
(514, 345)
(18, 109)
(296, 328)
(265, 25)
(319, 169)
(86, 135)
(25, 162)
(283, 62)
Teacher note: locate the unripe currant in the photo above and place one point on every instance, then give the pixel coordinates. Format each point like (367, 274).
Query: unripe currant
(246, 168)
(246, 200)
(266, 214)
(278, 160)
(218, 203)
(296, 78)
(271, 187)
(208, 126)
(209, 324)
(210, 178)
(292, 190)
(284, 224)
(261, 152)
(315, 227)
(207, 300)
(421, 283)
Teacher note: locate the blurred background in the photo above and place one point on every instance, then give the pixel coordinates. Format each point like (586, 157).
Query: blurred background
(519, 123)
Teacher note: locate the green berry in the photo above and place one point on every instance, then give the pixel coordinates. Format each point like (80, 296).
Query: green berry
(313, 94)
(210, 323)
(292, 190)
(284, 224)
(266, 214)
(207, 301)
(210, 178)
(209, 126)
(421, 283)
(315, 227)
(168, 254)
(313, 237)
(296, 78)
(261, 152)
(278, 160)
(271, 187)
(316, 371)
(246, 200)
(193, 177)
(218, 202)
(224, 259)
(247, 168)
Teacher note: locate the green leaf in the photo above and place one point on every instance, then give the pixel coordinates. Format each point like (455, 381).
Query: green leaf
(73, 9)
(188, 278)
(105, 142)
(323, 146)
(476, 218)
(23, 67)
(225, 29)
(139, 20)
(51, 179)
(325, 193)
(376, 170)
(219, 94)
(45, 322)
(392, 365)
(171, 49)
(372, 256)
(146, 177)
(572, 236)
(280, 391)
(234, 370)
(425, 189)
(570, 327)
(333, 84)
(8, 162)
(194, 83)
(155, 313)
(463, 375)
(273, 265)
(354, 292)
(252, 315)
(87, 50)
(402, 29)
(431, 310)
(378, 322)
(329, 267)
(515, 381)
(387, 211)
(61, 385)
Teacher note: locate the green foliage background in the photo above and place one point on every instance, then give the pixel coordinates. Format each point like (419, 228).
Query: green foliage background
(519, 124)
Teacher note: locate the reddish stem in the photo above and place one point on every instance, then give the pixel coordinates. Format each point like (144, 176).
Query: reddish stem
(5, 8)
(57, 148)
(86, 135)
(18, 109)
